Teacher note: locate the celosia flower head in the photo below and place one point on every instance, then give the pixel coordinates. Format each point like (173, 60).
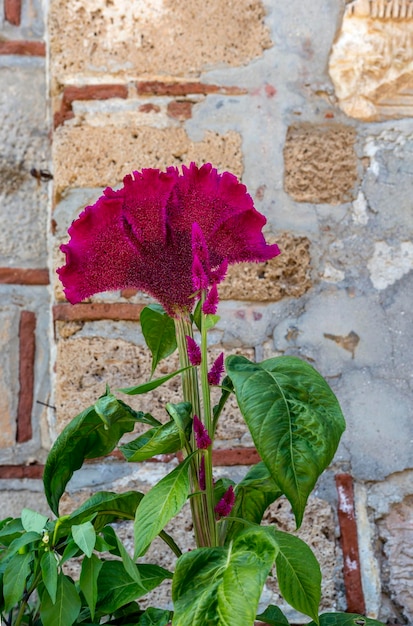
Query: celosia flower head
(224, 506)
(203, 440)
(142, 236)
(194, 351)
(216, 371)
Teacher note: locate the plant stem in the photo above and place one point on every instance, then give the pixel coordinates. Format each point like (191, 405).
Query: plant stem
(191, 394)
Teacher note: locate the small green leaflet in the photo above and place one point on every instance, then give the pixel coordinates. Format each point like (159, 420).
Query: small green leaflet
(89, 581)
(66, 608)
(33, 521)
(159, 332)
(48, 565)
(84, 536)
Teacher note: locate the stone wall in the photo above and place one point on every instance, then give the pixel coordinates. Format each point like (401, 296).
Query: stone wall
(311, 105)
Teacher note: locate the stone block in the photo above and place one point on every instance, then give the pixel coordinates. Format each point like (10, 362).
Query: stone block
(91, 157)
(25, 146)
(20, 496)
(371, 62)
(320, 163)
(85, 364)
(285, 276)
(153, 38)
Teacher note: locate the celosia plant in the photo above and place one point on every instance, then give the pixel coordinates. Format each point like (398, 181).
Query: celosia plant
(172, 235)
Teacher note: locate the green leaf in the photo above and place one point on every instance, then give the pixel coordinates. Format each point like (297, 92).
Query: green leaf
(155, 617)
(222, 585)
(20, 542)
(159, 332)
(210, 321)
(294, 418)
(103, 508)
(116, 588)
(253, 495)
(298, 573)
(48, 565)
(89, 581)
(346, 619)
(67, 607)
(181, 413)
(33, 521)
(87, 436)
(84, 535)
(160, 505)
(152, 384)
(10, 531)
(71, 550)
(273, 616)
(14, 580)
(128, 563)
(161, 440)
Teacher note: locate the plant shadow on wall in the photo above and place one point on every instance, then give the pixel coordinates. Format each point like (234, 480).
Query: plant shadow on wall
(172, 234)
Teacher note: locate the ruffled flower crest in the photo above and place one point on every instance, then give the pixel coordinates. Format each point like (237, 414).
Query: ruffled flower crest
(142, 236)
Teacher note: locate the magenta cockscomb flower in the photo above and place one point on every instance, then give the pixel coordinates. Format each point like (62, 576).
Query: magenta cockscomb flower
(203, 440)
(142, 235)
(194, 351)
(224, 506)
(210, 305)
(201, 475)
(216, 371)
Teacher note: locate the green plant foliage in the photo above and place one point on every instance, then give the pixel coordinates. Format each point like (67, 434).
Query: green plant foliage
(84, 536)
(294, 419)
(48, 566)
(273, 616)
(159, 332)
(66, 608)
(152, 384)
(160, 505)
(15, 577)
(222, 585)
(103, 508)
(346, 619)
(88, 581)
(87, 436)
(116, 588)
(160, 440)
(155, 617)
(298, 573)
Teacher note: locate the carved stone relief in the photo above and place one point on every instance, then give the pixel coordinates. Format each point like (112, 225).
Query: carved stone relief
(371, 62)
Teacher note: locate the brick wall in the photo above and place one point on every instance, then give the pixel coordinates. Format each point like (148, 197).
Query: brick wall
(275, 93)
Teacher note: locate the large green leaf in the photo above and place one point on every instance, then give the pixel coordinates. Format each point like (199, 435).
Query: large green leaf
(160, 505)
(88, 581)
(14, 580)
(273, 616)
(87, 436)
(253, 495)
(103, 508)
(294, 418)
(298, 573)
(159, 332)
(222, 585)
(346, 619)
(116, 588)
(163, 439)
(65, 610)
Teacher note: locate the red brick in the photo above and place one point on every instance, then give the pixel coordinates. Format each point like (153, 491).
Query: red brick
(180, 109)
(159, 88)
(97, 311)
(18, 276)
(349, 545)
(26, 48)
(86, 92)
(12, 11)
(148, 107)
(21, 471)
(27, 349)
